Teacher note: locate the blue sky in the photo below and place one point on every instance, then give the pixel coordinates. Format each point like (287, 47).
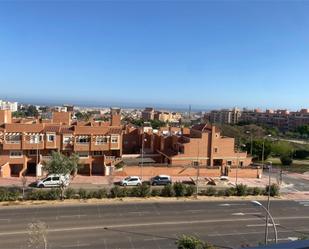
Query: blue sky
(162, 53)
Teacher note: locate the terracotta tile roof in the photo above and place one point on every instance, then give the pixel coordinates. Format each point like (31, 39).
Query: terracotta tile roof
(66, 129)
(24, 127)
(52, 128)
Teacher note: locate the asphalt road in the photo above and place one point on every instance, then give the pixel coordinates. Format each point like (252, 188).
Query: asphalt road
(152, 225)
(291, 184)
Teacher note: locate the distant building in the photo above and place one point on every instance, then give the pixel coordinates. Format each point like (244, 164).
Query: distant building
(6, 105)
(148, 114)
(224, 116)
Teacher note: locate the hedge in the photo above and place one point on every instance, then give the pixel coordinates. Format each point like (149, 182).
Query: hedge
(176, 189)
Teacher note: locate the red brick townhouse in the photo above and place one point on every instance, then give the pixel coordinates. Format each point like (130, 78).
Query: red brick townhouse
(26, 143)
(201, 145)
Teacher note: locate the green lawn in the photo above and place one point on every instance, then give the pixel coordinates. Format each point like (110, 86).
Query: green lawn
(298, 166)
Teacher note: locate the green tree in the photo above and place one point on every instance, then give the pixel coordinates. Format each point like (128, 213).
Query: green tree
(191, 242)
(31, 111)
(286, 160)
(62, 165)
(281, 148)
(257, 148)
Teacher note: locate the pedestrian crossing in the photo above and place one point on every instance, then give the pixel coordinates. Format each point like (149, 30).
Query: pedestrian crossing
(304, 203)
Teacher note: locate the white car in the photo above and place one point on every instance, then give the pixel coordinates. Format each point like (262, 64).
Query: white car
(131, 181)
(53, 180)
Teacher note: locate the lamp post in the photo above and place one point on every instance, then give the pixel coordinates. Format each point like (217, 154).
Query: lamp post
(268, 200)
(251, 142)
(257, 203)
(242, 145)
(142, 163)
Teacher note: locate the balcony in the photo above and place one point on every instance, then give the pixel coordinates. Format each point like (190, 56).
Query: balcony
(12, 145)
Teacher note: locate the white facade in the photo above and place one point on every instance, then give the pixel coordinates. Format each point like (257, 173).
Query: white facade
(6, 105)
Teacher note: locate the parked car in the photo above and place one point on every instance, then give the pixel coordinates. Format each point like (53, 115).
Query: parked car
(53, 180)
(224, 178)
(131, 181)
(161, 180)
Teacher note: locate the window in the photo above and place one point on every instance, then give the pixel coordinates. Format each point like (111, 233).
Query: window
(67, 139)
(114, 139)
(47, 179)
(229, 163)
(35, 139)
(101, 140)
(98, 153)
(16, 153)
(216, 149)
(82, 139)
(56, 178)
(32, 153)
(195, 163)
(50, 137)
(83, 154)
(13, 138)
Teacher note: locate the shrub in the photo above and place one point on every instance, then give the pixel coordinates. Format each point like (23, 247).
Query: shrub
(274, 190)
(286, 160)
(230, 192)
(257, 191)
(116, 192)
(70, 193)
(168, 191)
(190, 190)
(211, 191)
(9, 194)
(37, 195)
(220, 192)
(144, 190)
(82, 193)
(101, 193)
(179, 189)
(301, 154)
(53, 194)
(90, 194)
(155, 192)
(241, 190)
(190, 242)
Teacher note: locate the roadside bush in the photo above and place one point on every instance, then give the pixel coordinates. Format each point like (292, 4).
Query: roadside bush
(274, 190)
(116, 192)
(90, 194)
(82, 193)
(190, 190)
(179, 189)
(140, 191)
(53, 194)
(155, 192)
(168, 191)
(70, 193)
(257, 191)
(211, 191)
(9, 194)
(37, 195)
(230, 192)
(241, 190)
(190, 242)
(220, 192)
(101, 193)
(286, 160)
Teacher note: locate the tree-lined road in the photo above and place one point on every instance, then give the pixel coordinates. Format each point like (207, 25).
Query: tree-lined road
(229, 224)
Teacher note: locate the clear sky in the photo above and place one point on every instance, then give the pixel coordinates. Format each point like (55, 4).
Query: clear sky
(169, 53)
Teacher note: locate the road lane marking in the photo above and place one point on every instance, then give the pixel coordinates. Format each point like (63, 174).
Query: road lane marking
(191, 222)
(241, 214)
(231, 204)
(72, 216)
(261, 225)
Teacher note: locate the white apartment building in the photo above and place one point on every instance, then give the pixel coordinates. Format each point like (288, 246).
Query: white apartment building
(6, 105)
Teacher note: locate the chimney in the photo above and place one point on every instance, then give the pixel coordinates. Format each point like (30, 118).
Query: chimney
(5, 117)
(115, 116)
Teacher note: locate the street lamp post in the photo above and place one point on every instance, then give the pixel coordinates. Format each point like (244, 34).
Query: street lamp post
(142, 163)
(268, 200)
(257, 203)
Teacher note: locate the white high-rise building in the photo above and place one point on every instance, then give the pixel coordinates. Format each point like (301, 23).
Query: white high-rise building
(6, 105)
